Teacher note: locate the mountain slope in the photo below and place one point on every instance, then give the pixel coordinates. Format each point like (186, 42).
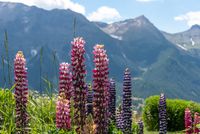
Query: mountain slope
(156, 63)
(30, 28)
(163, 66)
(187, 41)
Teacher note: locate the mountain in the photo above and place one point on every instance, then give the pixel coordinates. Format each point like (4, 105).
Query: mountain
(156, 63)
(187, 41)
(126, 30)
(143, 42)
(163, 66)
(100, 24)
(30, 28)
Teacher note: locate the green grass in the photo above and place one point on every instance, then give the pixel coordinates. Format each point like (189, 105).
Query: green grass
(41, 110)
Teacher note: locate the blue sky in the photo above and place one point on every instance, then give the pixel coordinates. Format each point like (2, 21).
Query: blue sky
(168, 15)
(161, 13)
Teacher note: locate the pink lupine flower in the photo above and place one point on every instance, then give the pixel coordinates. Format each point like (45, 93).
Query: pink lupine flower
(65, 80)
(21, 92)
(78, 77)
(100, 86)
(63, 113)
(188, 121)
(196, 123)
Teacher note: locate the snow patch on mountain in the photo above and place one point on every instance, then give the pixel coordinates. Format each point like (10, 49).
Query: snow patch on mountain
(193, 43)
(124, 55)
(182, 47)
(116, 37)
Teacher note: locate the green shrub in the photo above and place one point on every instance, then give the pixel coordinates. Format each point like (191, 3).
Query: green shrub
(175, 113)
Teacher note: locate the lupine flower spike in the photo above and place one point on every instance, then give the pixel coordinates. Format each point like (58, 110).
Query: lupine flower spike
(188, 121)
(89, 100)
(127, 103)
(162, 114)
(140, 127)
(63, 113)
(196, 123)
(100, 86)
(78, 77)
(119, 121)
(21, 93)
(112, 100)
(65, 80)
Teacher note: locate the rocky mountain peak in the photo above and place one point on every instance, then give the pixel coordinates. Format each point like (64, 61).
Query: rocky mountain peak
(195, 27)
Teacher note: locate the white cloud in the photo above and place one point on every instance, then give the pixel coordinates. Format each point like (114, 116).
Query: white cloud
(104, 13)
(51, 4)
(191, 18)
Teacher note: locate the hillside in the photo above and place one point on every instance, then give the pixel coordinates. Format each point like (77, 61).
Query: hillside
(188, 40)
(163, 67)
(157, 65)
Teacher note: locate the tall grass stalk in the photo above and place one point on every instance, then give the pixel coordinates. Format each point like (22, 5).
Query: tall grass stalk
(3, 66)
(7, 58)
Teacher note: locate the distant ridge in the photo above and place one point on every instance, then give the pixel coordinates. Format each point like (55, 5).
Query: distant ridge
(156, 62)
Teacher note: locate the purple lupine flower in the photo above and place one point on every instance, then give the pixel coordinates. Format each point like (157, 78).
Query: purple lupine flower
(100, 86)
(188, 121)
(119, 121)
(21, 92)
(140, 127)
(112, 100)
(63, 113)
(78, 77)
(65, 80)
(127, 103)
(162, 114)
(89, 100)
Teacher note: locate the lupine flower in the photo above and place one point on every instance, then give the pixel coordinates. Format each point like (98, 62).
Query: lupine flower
(188, 121)
(119, 121)
(162, 114)
(127, 103)
(65, 83)
(21, 92)
(89, 100)
(100, 86)
(112, 100)
(78, 77)
(196, 123)
(140, 127)
(63, 113)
